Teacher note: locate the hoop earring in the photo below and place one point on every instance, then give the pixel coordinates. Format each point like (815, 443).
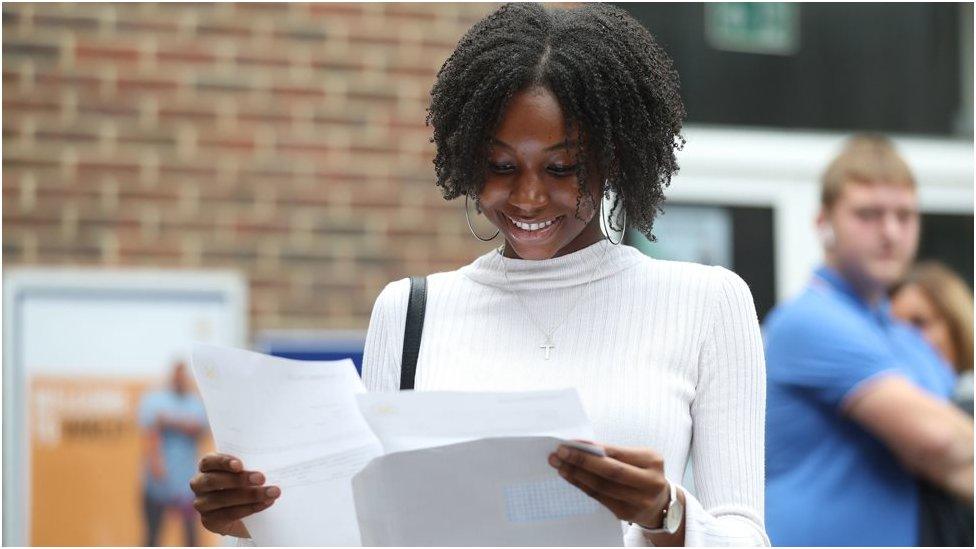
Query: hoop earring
(471, 228)
(606, 228)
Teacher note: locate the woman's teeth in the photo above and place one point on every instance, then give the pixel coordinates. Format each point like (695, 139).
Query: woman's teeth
(532, 226)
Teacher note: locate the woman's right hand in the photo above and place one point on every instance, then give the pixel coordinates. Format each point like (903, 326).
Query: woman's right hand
(226, 493)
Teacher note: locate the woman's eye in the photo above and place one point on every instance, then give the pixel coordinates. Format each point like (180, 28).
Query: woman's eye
(501, 168)
(562, 170)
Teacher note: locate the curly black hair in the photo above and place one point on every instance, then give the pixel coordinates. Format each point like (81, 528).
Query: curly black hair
(614, 82)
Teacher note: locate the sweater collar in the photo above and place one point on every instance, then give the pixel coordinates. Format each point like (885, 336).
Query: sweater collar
(594, 262)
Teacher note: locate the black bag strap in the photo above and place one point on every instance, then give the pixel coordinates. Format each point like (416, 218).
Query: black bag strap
(413, 331)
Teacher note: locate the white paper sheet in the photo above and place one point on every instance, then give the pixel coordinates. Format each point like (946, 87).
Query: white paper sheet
(488, 492)
(298, 423)
(411, 420)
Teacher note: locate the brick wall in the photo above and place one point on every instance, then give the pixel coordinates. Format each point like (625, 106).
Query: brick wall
(283, 140)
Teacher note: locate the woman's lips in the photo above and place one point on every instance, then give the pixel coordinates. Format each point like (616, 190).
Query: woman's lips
(523, 235)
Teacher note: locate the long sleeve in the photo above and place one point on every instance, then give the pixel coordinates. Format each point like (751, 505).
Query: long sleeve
(728, 424)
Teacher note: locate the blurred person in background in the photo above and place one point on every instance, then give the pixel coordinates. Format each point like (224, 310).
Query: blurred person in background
(173, 420)
(937, 302)
(857, 403)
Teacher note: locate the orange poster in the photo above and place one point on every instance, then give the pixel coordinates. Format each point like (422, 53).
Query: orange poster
(86, 464)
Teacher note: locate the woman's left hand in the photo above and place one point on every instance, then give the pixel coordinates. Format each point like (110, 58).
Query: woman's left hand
(629, 481)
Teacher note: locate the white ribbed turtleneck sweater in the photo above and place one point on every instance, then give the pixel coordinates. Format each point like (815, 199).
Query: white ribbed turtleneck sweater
(665, 355)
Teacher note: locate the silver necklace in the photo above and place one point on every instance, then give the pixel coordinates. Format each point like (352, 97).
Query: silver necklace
(548, 345)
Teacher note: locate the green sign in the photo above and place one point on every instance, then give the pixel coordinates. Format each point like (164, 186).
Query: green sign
(753, 27)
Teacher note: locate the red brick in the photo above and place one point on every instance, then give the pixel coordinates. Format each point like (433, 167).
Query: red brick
(127, 84)
(252, 228)
(367, 149)
(411, 11)
(34, 164)
(210, 29)
(239, 144)
(171, 170)
(262, 6)
(65, 21)
(193, 54)
(85, 51)
(11, 78)
(268, 118)
(332, 174)
(261, 61)
(106, 167)
(138, 26)
(374, 96)
(65, 136)
(198, 114)
(343, 119)
(297, 92)
(303, 147)
(134, 248)
(364, 38)
(280, 171)
(335, 9)
(16, 105)
(153, 194)
(117, 107)
(32, 220)
(84, 82)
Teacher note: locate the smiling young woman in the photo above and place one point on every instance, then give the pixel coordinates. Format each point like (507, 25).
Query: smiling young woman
(538, 116)
(530, 189)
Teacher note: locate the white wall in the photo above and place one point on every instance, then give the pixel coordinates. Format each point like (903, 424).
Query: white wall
(781, 169)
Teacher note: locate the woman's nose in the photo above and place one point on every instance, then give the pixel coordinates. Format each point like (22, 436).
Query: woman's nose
(530, 193)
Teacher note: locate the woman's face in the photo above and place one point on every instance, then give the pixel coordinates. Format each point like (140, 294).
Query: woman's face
(531, 181)
(913, 306)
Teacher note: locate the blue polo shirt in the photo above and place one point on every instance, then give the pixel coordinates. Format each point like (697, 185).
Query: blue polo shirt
(179, 450)
(828, 481)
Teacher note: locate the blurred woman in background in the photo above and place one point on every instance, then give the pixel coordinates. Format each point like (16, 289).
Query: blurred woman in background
(936, 300)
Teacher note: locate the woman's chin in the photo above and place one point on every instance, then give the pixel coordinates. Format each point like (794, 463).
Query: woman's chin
(534, 253)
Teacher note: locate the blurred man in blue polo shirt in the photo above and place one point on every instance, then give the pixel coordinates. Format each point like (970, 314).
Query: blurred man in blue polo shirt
(173, 420)
(857, 401)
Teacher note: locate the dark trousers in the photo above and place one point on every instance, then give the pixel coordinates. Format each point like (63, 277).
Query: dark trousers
(155, 510)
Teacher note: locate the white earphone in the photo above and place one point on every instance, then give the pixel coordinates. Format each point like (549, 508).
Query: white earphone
(827, 237)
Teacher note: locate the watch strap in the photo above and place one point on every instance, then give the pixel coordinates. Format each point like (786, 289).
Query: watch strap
(664, 517)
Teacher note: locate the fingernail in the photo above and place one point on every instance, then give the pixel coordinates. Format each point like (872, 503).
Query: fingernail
(255, 478)
(273, 492)
(235, 465)
(563, 452)
(554, 461)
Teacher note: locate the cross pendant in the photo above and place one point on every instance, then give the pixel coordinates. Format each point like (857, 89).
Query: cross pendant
(548, 346)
